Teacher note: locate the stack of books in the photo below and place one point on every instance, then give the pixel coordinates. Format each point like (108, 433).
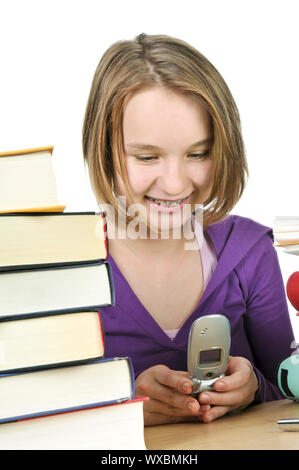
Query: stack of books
(286, 234)
(57, 389)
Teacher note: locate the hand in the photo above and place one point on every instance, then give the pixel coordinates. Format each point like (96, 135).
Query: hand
(169, 400)
(235, 391)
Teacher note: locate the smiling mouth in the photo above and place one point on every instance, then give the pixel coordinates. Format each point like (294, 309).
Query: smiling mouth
(167, 203)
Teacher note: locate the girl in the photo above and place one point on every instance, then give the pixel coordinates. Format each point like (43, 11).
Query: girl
(162, 132)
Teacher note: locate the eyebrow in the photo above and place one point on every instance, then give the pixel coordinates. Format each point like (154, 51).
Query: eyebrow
(140, 146)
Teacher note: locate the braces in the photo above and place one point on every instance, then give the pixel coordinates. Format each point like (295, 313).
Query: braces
(167, 203)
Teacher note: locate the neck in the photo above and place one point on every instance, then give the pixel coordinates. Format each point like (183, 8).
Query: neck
(157, 244)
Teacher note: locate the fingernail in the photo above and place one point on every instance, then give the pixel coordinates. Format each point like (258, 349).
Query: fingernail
(186, 387)
(220, 385)
(204, 397)
(192, 407)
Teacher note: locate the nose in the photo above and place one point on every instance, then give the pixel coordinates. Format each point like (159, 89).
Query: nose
(173, 180)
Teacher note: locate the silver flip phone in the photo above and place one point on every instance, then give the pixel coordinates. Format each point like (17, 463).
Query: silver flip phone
(208, 351)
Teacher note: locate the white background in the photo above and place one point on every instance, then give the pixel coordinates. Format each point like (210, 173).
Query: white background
(49, 50)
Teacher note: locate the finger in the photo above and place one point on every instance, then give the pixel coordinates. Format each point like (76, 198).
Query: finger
(214, 413)
(237, 379)
(204, 407)
(148, 381)
(178, 380)
(232, 398)
(153, 419)
(168, 396)
(183, 373)
(157, 406)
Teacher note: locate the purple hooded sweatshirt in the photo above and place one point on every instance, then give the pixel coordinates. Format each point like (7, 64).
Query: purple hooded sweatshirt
(246, 287)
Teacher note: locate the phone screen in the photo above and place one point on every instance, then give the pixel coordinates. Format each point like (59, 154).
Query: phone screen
(209, 356)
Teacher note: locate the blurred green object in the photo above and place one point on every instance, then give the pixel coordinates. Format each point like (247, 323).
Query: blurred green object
(288, 377)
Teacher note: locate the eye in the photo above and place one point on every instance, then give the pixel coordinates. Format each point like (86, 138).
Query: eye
(198, 156)
(145, 158)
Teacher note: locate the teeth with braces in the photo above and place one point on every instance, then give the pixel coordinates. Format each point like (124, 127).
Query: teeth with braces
(167, 203)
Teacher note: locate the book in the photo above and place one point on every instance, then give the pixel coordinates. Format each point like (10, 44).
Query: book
(48, 391)
(31, 239)
(51, 341)
(27, 181)
(38, 291)
(287, 238)
(286, 233)
(286, 222)
(292, 249)
(111, 427)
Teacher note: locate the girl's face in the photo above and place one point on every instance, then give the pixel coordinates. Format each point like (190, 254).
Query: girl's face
(167, 139)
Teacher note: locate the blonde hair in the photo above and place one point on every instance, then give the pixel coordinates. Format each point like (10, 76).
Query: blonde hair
(149, 60)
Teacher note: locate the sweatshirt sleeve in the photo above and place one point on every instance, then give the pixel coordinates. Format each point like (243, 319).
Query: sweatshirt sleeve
(267, 321)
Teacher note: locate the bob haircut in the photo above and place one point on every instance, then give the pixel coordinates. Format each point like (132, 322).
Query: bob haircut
(130, 66)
